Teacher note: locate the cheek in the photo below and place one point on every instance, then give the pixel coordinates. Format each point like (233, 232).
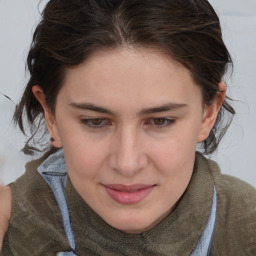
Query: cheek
(175, 155)
(176, 145)
(174, 168)
(85, 157)
(171, 159)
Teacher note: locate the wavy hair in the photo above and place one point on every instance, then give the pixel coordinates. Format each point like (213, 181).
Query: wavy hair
(70, 31)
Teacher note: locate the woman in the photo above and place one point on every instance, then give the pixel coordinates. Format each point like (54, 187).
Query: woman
(127, 90)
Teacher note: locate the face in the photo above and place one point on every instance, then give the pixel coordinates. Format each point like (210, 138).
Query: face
(129, 121)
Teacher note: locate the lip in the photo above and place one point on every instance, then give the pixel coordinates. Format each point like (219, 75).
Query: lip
(131, 194)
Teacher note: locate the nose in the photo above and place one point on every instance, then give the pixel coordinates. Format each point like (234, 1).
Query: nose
(128, 155)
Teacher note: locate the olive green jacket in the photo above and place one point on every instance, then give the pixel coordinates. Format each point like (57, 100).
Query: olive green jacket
(36, 223)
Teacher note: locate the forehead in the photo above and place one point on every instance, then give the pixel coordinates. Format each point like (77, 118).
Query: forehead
(129, 76)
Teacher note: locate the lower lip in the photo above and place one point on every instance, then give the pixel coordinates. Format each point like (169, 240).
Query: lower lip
(123, 197)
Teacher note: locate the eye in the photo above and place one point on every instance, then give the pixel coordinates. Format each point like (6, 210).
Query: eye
(96, 123)
(161, 122)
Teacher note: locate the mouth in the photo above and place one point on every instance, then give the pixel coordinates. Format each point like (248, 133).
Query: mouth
(132, 194)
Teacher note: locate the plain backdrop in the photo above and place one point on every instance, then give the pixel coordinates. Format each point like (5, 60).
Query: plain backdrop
(236, 154)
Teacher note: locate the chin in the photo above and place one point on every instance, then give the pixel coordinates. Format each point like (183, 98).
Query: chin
(132, 229)
(130, 224)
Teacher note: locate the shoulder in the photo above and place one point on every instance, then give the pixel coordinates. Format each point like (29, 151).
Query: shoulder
(32, 195)
(237, 191)
(5, 211)
(230, 190)
(235, 196)
(36, 223)
(236, 217)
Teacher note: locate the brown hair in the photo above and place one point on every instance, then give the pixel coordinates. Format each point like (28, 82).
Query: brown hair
(70, 31)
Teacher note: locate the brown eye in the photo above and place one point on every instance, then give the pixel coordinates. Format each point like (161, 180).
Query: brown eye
(96, 122)
(159, 121)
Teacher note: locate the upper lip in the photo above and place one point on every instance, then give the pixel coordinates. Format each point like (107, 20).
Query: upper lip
(128, 188)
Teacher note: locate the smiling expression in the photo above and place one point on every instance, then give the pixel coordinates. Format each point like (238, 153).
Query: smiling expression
(129, 121)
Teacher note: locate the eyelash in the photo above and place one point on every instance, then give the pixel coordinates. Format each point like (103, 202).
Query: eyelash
(166, 121)
(89, 123)
(105, 122)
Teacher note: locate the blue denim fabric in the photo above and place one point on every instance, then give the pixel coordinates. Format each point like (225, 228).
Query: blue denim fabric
(53, 170)
(65, 254)
(204, 245)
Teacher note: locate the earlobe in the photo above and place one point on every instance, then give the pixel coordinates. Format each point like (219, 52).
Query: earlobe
(49, 117)
(211, 112)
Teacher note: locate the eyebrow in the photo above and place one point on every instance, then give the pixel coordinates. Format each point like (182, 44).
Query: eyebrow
(157, 109)
(92, 107)
(163, 108)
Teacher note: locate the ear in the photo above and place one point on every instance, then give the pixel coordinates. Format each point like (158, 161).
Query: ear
(49, 117)
(211, 112)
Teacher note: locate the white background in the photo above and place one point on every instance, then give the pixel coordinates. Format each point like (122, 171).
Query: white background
(236, 154)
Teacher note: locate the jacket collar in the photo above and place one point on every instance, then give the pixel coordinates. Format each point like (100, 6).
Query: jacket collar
(177, 234)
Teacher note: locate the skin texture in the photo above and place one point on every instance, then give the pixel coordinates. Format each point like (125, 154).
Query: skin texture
(130, 143)
(5, 211)
(128, 146)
